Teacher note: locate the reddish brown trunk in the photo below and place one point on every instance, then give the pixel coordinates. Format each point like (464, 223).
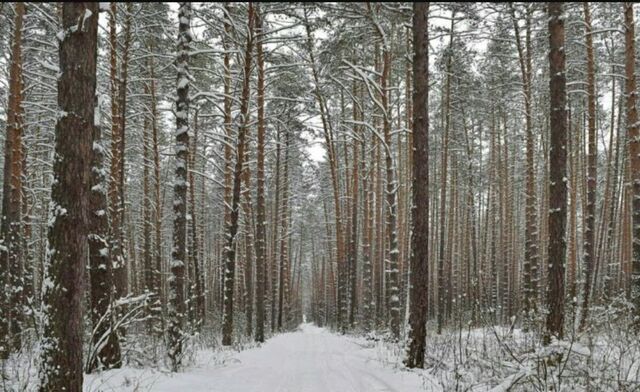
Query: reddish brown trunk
(106, 346)
(11, 278)
(419, 293)
(633, 131)
(557, 175)
(61, 366)
(232, 226)
(590, 229)
(261, 237)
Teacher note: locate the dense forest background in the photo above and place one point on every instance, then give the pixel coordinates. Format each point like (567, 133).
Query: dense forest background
(179, 176)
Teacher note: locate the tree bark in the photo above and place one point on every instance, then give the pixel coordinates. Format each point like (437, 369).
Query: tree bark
(353, 240)
(104, 338)
(592, 173)
(157, 216)
(531, 229)
(392, 273)
(117, 161)
(261, 238)
(557, 175)
(283, 284)
(11, 277)
(633, 132)
(419, 291)
(61, 365)
(232, 227)
(177, 306)
(443, 292)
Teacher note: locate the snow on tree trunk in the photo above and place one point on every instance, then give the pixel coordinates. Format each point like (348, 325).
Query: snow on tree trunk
(106, 346)
(392, 272)
(231, 228)
(530, 264)
(633, 130)
(197, 300)
(419, 294)
(592, 173)
(353, 240)
(557, 175)
(443, 284)
(261, 239)
(177, 307)
(61, 346)
(283, 284)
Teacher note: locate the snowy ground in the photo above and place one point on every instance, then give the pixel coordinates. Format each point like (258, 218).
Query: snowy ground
(308, 360)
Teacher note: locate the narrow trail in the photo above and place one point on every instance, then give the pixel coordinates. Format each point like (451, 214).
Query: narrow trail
(308, 360)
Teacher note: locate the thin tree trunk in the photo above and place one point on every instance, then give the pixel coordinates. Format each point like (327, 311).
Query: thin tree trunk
(590, 229)
(261, 239)
(283, 284)
(249, 225)
(232, 227)
(195, 263)
(275, 237)
(367, 278)
(156, 286)
(177, 307)
(531, 242)
(633, 132)
(117, 166)
(393, 291)
(104, 338)
(353, 240)
(419, 295)
(443, 293)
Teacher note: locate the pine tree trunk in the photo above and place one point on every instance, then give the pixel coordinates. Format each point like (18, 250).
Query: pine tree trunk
(419, 294)
(249, 236)
(283, 284)
(557, 175)
(443, 293)
(275, 229)
(228, 168)
(353, 240)
(633, 131)
(232, 227)
(106, 345)
(194, 257)
(531, 243)
(261, 238)
(393, 291)
(117, 165)
(11, 278)
(573, 148)
(592, 179)
(157, 286)
(177, 308)
(61, 365)
(367, 245)
(146, 206)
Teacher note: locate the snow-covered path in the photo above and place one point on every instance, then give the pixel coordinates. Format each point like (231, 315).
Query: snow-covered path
(309, 360)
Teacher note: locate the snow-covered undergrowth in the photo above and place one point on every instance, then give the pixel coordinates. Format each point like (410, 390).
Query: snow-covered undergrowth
(606, 357)
(144, 359)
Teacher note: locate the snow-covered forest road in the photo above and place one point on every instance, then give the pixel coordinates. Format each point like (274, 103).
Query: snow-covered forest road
(308, 360)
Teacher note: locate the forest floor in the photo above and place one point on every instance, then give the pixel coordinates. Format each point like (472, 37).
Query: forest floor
(310, 359)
